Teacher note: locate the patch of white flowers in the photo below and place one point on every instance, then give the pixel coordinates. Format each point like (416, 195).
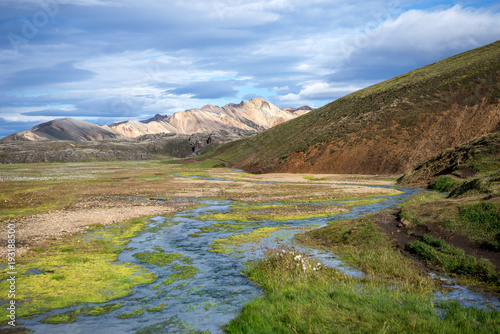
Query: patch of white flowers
(302, 262)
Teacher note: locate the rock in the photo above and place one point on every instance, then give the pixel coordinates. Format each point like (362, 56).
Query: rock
(405, 223)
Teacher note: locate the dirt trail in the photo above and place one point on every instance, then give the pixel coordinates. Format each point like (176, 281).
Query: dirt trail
(389, 223)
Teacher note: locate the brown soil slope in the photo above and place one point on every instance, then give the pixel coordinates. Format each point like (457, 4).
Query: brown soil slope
(387, 128)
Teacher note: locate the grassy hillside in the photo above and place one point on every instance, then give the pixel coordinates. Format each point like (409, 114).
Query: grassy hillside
(386, 128)
(467, 216)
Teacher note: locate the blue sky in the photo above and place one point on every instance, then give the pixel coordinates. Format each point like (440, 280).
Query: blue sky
(105, 61)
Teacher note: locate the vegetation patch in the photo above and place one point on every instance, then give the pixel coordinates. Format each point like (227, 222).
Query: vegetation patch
(274, 212)
(319, 299)
(481, 222)
(228, 245)
(364, 246)
(71, 316)
(451, 259)
(427, 207)
(158, 308)
(134, 314)
(183, 272)
(88, 274)
(219, 227)
(100, 310)
(160, 258)
(58, 319)
(445, 184)
(365, 201)
(172, 325)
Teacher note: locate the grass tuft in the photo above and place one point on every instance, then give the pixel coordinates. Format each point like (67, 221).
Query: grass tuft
(451, 259)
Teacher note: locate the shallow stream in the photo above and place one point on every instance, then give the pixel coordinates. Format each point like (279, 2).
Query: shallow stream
(201, 290)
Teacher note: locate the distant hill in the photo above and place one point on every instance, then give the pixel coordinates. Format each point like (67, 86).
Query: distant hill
(254, 115)
(64, 129)
(390, 127)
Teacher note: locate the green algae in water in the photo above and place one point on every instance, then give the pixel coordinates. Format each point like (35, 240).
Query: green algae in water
(55, 319)
(364, 201)
(71, 316)
(134, 314)
(156, 308)
(220, 227)
(208, 306)
(184, 272)
(100, 310)
(170, 326)
(160, 227)
(181, 286)
(160, 258)
(227, 245)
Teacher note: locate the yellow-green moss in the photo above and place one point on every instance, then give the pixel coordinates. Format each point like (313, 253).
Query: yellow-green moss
(86, 274)
(136, 313)
(183, 272)
(160, 258)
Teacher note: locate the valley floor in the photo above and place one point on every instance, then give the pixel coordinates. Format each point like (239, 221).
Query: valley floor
(73, 220)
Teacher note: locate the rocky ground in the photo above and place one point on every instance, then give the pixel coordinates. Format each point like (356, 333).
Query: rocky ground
(36, 230)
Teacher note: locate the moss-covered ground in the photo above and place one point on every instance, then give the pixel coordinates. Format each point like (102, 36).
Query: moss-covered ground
(79, 270)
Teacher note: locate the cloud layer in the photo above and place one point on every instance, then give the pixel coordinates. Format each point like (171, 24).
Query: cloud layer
(107, 60)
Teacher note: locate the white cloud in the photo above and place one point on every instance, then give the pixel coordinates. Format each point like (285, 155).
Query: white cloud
(432, 31)
(319, 90)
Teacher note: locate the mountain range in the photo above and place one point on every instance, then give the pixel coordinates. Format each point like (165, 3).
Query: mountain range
(256, 115)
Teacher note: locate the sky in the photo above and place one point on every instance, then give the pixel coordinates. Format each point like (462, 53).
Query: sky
(106, 61)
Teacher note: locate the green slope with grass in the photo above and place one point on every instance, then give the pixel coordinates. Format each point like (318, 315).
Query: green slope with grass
(467, 215)
(386, 128)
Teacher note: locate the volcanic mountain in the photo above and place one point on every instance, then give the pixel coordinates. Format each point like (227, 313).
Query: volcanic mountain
(256, 114)
(390, 127)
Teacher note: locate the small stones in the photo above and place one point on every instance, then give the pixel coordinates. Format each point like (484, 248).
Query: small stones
(404, 223)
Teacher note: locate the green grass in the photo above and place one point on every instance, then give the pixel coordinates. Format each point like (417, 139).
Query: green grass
(453, 260)
(445, 184)
(361, 244)
(326, 301)
(427, 208)
(480, 222)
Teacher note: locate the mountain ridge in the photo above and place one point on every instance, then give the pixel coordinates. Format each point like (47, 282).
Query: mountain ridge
(253, 115)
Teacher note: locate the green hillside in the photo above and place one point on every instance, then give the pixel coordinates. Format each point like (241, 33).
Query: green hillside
(387, 128)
